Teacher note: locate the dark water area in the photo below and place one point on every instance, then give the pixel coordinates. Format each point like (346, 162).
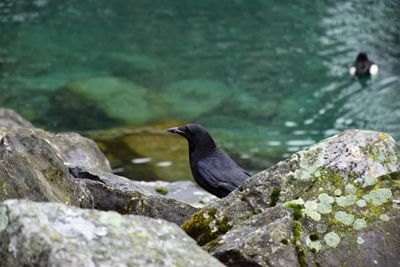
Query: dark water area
(267, 78)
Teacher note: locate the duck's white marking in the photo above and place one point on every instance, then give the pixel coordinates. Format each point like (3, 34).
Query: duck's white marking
(352, 70)
(373, 70)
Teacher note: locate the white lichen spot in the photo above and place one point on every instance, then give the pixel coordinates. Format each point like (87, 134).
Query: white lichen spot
(317, 174)
(320, 189)
(332, 239)
(359, 224)
(325, 205)
(337, 192)
(350, 189)
(313, 244)
(298, 201)
(361, 203)
(310, 209)
(324, 197)
(360, 240)
(378, 196)
(384, 217)
(370, 180)
(345, 201)
(344, 217)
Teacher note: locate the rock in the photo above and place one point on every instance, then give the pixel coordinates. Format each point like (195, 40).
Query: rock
(78, 151)
(117, 193)
(31, 168)
(192, 98)
(116, 100)
(185, 191)
(37, 165)
(74, 149)
(9, 119)
(146, 152)
(337, 201)
(51, 234)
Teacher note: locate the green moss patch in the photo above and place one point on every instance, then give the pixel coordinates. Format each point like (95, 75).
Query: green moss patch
(162, 190)
(205, 226)
(274, 197)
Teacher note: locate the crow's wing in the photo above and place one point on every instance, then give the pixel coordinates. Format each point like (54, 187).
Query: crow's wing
(221, 171)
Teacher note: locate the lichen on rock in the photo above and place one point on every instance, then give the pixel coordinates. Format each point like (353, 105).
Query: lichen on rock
(337, 190)
(53, 234)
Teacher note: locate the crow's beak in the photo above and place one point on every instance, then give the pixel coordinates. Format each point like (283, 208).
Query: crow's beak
(177, 130)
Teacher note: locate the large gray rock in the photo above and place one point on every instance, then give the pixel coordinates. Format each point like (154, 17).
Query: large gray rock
(31, 168)
(9, 119)
(338, 201)
(50, 234)
(37, 165)
(112, 192)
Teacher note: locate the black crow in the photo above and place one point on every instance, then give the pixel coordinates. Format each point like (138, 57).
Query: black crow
(363, 66)
(212, 169)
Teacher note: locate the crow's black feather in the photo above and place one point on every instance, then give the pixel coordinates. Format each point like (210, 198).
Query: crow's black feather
(212, 169)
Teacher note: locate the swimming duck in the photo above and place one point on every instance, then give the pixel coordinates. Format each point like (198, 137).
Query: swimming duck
(363, 66)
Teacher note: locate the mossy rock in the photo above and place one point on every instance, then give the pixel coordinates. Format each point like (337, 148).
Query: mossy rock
(343, 195)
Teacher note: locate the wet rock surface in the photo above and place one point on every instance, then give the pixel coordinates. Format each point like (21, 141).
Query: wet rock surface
(51, 234)
(339, 196)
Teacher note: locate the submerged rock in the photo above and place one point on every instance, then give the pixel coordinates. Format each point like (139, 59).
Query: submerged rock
(190, 99)
(337, 201)
(133, 63)
(115, 100)
(50, 234)
(145, 153)
(112, 192)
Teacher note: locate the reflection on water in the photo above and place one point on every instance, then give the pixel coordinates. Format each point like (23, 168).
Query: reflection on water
(266, 77)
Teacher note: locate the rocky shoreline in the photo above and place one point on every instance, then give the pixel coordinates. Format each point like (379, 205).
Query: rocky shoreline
(335, 203)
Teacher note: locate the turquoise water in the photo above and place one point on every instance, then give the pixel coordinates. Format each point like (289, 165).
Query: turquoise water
(266, 77)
